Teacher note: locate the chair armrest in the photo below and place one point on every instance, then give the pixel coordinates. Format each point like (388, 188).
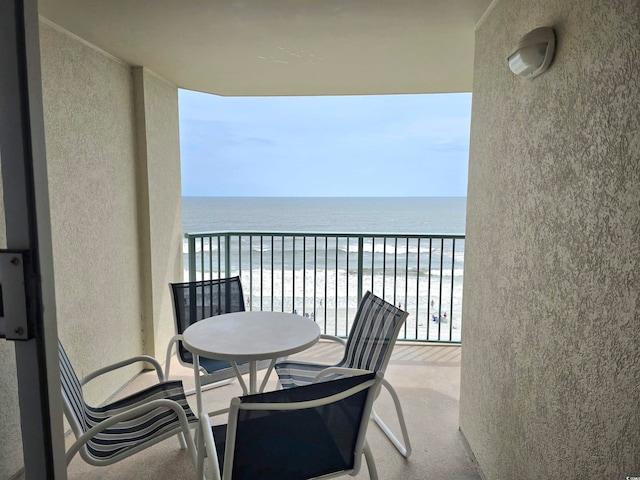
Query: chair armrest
(174, 341)
(323, 336)
(206, 443)
(341, 371)
(333, 338)
(123, 363)
(126, 415)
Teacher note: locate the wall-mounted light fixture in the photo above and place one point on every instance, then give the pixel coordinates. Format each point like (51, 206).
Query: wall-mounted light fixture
(534, 53)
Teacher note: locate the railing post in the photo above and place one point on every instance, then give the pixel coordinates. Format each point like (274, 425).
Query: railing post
(304, 274)
(192, 258)
(251, 272)
(440, 289)
(219, 255)
(282, 286)
(360, 266)
(272, 280)
(227, 255)
(453, 278)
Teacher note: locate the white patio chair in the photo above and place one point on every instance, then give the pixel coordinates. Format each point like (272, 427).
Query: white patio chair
(109, 433)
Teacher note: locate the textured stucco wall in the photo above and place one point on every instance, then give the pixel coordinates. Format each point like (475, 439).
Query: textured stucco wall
(11, 457)
(90, 141)
(551, 364)
(160, 203)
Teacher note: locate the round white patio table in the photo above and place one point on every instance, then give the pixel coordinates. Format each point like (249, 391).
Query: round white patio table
(248, 336)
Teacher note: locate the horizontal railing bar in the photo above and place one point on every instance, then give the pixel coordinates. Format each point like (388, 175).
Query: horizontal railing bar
(247, 233)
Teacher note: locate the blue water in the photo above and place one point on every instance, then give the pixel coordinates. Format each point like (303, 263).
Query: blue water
(422, 215)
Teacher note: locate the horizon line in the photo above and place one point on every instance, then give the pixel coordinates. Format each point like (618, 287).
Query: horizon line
(321, 196)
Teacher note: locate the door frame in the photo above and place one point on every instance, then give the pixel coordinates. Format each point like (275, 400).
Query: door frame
(28, 230)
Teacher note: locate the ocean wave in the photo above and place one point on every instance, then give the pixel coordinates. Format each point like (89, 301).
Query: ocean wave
(342, 279)
(411, 271)
(201, 246)
(334, 298)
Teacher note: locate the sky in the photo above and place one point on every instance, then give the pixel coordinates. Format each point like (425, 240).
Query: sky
(327, 146)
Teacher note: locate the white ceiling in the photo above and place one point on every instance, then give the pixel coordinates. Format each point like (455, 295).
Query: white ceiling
(286, 47)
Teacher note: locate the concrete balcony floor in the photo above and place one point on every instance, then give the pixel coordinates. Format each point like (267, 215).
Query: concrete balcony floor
(426, 377)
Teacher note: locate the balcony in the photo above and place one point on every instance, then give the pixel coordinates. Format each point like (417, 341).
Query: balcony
(427, 379)
(551, 337)
(323, 275)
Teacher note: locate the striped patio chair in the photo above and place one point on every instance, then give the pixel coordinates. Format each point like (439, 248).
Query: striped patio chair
(109, 433)
(371, 340)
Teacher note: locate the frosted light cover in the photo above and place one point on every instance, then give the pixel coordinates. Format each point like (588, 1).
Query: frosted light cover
(533, 54)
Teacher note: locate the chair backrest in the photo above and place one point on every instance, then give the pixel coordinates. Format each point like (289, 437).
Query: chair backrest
(373, 334)
(74, 405)
(193, 301)
(299, 433)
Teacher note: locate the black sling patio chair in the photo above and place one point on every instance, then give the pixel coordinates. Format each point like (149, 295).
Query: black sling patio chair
(194, 301)
(316, 431)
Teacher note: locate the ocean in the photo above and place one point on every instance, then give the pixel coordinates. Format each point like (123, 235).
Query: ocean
(425, 215)
(295, 275)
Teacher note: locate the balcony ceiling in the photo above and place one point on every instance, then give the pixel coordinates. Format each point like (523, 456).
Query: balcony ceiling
(286, 47)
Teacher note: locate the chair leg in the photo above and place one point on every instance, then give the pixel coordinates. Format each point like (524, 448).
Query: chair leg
(181, 440)
(200, 454)
(190, 445)
(206, 448)
(371, 464)
(405, 450)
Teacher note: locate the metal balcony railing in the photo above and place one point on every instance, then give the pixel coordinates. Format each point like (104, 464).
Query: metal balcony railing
(324, 275)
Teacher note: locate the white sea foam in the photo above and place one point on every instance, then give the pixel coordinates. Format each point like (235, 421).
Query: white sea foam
(200, 246)
(333, 294)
